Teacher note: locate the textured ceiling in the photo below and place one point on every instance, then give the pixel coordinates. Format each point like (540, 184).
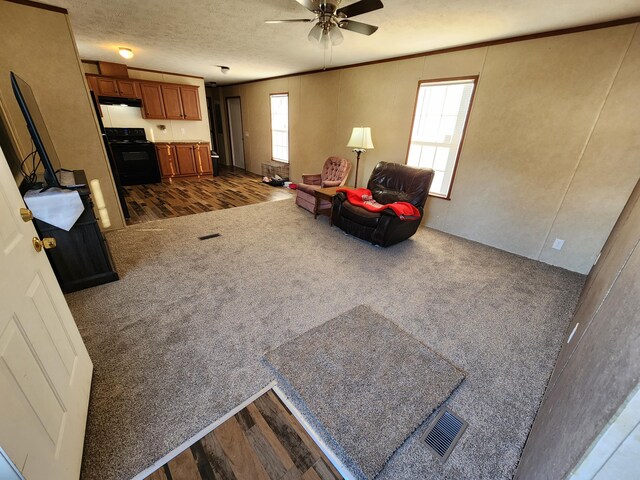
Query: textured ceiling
(193, 36)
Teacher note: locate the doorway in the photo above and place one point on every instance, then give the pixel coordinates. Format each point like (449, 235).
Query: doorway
(234, 112)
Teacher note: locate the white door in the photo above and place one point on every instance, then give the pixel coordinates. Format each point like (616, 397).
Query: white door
(234, 111)
(45, 370)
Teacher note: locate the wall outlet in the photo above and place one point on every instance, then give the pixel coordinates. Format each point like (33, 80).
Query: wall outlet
(558, 243)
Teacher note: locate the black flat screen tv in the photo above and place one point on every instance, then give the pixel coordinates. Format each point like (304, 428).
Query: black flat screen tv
(37, 129)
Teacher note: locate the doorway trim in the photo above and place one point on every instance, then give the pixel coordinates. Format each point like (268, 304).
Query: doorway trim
(233, 155)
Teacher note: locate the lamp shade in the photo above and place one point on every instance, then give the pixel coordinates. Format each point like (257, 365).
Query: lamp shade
(361, 138)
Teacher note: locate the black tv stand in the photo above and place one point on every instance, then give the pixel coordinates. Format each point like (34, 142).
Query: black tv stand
(81, 258)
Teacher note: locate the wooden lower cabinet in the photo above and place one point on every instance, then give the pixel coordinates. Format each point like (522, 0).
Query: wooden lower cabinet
(184, 159)
(203, 158)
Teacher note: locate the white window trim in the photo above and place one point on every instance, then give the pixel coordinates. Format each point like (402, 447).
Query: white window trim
(273, 130)
(458, 138)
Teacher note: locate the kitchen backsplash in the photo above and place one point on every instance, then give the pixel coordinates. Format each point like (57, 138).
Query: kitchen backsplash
(175, 130)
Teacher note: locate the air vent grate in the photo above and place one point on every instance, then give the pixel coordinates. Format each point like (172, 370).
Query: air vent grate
(443, 434)
(207, 237)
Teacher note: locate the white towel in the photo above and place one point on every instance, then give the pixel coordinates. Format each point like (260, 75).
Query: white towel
(58, 207)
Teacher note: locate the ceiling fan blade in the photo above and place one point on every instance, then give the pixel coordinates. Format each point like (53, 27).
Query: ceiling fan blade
(316, 33)
(358, 8)
(312, 5)
(301, 20)
(358, 27)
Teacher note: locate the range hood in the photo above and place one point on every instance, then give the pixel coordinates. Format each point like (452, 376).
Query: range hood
(125, 102)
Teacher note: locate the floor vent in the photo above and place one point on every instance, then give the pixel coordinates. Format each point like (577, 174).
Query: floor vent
(443, 434)
(207, 237)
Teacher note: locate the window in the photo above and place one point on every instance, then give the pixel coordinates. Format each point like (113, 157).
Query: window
(280, 127)
(442, 108)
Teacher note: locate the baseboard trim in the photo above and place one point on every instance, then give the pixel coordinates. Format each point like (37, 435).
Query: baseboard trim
(187, 443)
(337, 463)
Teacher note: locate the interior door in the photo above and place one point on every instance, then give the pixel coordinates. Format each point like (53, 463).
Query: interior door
(45, 370)
(234, 111)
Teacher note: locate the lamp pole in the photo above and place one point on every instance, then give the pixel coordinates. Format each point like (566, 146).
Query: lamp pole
(358, 152)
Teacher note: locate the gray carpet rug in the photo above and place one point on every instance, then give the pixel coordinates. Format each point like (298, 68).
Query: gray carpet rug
(178, 341)
(367, 383)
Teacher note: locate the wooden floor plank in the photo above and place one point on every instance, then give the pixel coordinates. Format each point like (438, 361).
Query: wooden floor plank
(232, 188)
(202, 461)
(217, 458)
(302, 433)
(261, 442)
(268, 434)
(183, 467)
(244, 462)
(297, 449)
(265, 453)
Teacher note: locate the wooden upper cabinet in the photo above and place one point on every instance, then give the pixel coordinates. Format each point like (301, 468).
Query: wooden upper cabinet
(107, 87)
(93, 84)
(127, 88)
(172, 102)
(159, 100)
(152, 104)
(186, 159)
(190, 103)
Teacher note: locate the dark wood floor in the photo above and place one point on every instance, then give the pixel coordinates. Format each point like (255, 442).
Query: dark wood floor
(264, 441)
(233, 188)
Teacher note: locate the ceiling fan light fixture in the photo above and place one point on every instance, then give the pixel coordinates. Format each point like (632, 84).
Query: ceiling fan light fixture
(316, 33)
(336, 36)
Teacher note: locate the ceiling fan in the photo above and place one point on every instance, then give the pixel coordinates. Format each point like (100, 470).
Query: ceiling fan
(329, 19)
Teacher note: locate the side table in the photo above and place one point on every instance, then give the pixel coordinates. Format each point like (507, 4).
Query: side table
(325, 194)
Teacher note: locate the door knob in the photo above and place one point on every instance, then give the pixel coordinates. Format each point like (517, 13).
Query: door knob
(46, 242)
(26, 214)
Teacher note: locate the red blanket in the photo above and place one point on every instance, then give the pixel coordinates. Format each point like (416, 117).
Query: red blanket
(361, 197)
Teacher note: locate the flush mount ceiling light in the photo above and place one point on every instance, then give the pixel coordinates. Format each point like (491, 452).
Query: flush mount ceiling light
(125, 52)
(224, 69)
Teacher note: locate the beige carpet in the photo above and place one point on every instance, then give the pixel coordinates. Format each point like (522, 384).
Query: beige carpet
(178, 341)
(365, 385)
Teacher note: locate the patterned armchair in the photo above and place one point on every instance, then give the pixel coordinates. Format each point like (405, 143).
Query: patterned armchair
(334, 173)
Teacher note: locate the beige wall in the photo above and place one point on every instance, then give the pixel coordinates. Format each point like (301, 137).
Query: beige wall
(175, 130)
(38, 45)
(550, 151)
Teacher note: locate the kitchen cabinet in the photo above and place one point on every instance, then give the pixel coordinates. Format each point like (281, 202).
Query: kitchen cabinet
(190, 103)
(128, 89)
(107, 87)
(172, 102)
(160, 100)
(181, 102)
(184, 159)
(113, 87)
(152, 102)
(166, 154)
(203, 158)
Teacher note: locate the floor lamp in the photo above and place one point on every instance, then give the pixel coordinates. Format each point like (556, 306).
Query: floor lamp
(360, 141)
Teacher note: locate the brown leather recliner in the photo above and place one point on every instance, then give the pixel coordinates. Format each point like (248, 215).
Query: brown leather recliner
(389, 182)
(334, 173)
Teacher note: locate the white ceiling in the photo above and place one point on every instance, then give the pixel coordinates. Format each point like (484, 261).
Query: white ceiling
(193, 36)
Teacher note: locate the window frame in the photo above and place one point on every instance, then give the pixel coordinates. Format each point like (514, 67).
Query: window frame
(288, 162)
(475, 79)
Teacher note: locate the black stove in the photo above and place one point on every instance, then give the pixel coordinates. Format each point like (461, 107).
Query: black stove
(134, 156)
